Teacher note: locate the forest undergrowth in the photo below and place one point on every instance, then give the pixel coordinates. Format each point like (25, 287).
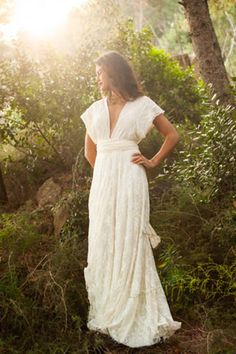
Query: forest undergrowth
(43, 297)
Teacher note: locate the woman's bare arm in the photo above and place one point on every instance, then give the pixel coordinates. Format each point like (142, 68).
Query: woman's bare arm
(165, 128)
(90, 150)
(172, 137)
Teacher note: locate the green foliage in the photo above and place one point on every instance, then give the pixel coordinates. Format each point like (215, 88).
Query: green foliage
(207, 161)
(78, 220)
(17, 233)
(175, 89)
(206, 282)
(42, 99)
(43, 298)
(176, 39)
(171, 29)
(41, 109)
(223, 14)
(43, 293)
(196, 258)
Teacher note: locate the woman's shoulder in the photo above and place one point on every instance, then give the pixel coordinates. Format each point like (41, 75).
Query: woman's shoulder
(149, 102)
(143, 98)
(98, 102)
(145, 101)
(95, 105)
(146, 106)
(139, 100)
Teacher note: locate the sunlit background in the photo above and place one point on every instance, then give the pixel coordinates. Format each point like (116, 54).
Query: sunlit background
(39, 18)
(65, 24)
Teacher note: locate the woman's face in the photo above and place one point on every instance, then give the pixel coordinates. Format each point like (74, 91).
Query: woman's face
(102, 78)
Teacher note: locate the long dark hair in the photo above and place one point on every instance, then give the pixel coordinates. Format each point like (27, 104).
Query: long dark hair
(120, 74)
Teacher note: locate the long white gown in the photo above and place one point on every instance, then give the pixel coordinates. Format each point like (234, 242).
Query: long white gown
(127, 300)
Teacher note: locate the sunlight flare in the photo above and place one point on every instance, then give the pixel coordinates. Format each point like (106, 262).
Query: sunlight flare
(40, 18)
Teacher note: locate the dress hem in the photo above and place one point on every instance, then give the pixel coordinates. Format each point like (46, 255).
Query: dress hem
(165, 331)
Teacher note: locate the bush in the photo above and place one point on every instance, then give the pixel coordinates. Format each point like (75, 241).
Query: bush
(206, 161)
(176, 90)
(40, 111)
(43, 297)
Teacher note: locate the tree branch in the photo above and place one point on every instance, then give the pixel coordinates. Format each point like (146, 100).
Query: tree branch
(49, 143)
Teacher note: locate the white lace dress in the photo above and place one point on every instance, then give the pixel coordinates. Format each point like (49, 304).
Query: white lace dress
(126, 297)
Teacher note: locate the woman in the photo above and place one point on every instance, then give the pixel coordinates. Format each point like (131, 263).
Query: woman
(126, 297)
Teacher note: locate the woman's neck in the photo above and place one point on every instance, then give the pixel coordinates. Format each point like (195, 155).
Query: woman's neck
(114, 98)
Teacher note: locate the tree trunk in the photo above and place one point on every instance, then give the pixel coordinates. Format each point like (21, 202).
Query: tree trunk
(207, 49)
(3, 193)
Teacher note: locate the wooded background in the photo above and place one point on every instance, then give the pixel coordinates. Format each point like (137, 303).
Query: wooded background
(184, 54)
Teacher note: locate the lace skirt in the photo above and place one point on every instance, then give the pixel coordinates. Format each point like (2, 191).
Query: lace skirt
(126, 297)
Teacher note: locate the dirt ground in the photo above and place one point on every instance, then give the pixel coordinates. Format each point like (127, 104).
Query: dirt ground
(187, 340)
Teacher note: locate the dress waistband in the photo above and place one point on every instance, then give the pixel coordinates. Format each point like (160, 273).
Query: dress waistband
(106, 145)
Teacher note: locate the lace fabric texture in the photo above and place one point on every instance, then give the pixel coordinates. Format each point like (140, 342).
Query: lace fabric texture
(126, 297)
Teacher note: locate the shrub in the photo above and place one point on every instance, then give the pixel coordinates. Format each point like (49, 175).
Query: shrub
(207, 161)
(176, 90)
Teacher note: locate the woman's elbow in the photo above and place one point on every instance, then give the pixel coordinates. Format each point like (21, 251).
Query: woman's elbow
(178, 137)
(175, 137)
(87, 156)
(90, 157)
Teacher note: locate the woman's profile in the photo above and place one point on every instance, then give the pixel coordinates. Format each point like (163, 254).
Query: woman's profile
(127, 301)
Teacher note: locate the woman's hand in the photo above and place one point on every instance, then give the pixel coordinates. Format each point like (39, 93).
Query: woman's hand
(140, 159)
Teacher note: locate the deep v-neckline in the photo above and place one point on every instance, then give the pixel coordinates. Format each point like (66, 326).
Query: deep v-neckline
(109, 118)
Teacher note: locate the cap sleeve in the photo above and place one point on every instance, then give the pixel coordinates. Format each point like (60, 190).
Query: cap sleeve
(87, 118)
(150, 110)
